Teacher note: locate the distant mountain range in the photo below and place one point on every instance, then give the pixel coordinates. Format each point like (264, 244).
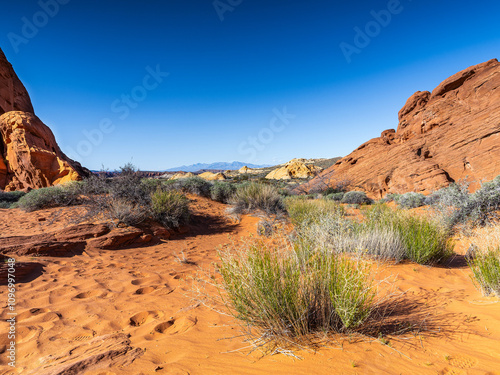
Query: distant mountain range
(235, 165)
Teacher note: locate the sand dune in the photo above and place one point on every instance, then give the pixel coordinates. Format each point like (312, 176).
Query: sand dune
(133, 311)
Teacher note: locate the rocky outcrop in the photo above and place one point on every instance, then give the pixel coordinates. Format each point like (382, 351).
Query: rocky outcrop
(30, 156)
(450, 134)
(295, 168)
(74, 240)
(181, 175)
(209, 176)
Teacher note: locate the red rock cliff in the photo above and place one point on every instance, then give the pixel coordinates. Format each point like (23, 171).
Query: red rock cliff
(30, 156)
(450, 134)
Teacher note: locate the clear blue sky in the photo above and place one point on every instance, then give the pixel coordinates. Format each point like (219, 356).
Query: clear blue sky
(231, 69)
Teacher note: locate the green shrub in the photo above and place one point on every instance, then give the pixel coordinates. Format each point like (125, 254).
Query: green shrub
(486, 271)
(55, 196)
(339, 234)
(356, 197)
(9, 199)
(392, 197)
(222, 191)
(11, 196)
(130, 199)
(170, 208)
(295, 291)
(460, 207)
(4, 204)
(195, 185)
(254, 196)
(335, 197)
(411, 200)
(305, 212)
(425, 240)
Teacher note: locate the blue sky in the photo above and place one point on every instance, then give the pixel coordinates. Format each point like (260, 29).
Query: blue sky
(254, 81)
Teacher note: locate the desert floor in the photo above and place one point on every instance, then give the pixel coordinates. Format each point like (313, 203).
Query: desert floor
(133, 311)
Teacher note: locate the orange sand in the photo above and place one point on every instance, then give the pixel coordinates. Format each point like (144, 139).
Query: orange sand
(79, 304)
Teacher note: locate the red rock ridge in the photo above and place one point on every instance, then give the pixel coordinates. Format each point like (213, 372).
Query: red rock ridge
(450, 134)
(30, 156)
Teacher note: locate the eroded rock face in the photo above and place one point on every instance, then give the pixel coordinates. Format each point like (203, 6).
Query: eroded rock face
(295, 168)
(13, 94)
(30, 156)
(450, 134)
(209, 176)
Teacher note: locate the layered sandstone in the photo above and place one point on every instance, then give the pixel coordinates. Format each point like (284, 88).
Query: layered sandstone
(448, 135)
(30, 156)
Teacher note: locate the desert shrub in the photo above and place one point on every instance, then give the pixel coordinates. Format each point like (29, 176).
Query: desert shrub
(294, 291)
(485, 268)
(411, 200)
(356, 197)
(195, 185)
(265, 228)
(130, 199)
(170, 208)
(304, 212)
(254, 196)
(8, 199)
(4, 204)
(425, 240)
(338, 234)
(11, 196)
(460, 207)
(222, 191)
(335, 197)
(151, 184)
(54, 196)
(333, 190)
(392, 197)
(125, 211)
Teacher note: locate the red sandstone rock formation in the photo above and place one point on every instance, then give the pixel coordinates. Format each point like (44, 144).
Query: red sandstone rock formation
(30, 156)
(450, 134)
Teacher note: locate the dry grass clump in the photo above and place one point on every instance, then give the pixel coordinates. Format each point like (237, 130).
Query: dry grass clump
(292, 290)
(170, 208)
(304, 212)
(252, 196)
(383, 233)
(485, 267)
(485, 260)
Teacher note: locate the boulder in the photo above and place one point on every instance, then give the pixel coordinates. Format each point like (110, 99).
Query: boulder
(181, 175)
(295, 168)
(212, 176)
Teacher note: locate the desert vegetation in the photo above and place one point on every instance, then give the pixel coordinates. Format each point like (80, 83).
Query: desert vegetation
(291, 290)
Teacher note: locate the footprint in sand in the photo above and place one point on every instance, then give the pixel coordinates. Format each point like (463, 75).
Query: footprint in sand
(146, 290)
(25, 333)
(448, 371)
(30, 313)
(144, 317)
(176, 326)
(139, 281)
(88, 294)
(462, 362)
